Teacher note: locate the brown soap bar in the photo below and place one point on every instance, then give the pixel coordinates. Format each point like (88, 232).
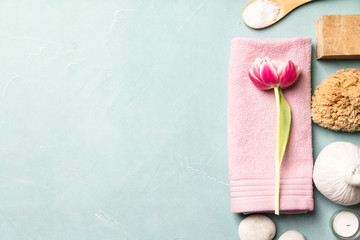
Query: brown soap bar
(338, 37)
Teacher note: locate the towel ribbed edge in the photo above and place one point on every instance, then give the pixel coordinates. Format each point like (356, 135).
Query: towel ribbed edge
(257, 195)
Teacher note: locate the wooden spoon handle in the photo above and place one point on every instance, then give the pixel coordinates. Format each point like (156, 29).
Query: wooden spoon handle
(296, 3)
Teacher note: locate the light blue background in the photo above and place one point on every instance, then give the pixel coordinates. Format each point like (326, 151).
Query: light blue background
(114, 118)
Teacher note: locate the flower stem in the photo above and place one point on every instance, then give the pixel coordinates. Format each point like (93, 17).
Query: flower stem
(282, 135)
(277, 155)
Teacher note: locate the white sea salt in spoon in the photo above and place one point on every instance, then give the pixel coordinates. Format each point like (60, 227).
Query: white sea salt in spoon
(263, 13)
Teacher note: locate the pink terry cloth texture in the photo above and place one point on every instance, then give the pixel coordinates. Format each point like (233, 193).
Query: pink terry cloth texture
(252, 130)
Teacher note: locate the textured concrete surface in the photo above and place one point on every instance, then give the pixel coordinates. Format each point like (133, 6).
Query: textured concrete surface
(113, 118)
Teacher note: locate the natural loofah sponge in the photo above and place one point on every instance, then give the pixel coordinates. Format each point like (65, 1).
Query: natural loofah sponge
(336, 101)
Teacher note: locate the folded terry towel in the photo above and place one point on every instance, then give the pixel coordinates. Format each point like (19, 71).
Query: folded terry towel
(252, 130)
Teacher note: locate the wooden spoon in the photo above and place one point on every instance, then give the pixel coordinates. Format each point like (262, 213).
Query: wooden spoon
(285, 6)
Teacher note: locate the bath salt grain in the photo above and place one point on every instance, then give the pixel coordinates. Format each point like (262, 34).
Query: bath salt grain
(260, 13)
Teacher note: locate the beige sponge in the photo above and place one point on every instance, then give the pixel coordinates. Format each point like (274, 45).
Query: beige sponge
(336, 101)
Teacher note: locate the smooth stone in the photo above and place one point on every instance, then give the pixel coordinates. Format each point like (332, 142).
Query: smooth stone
(257, 227)
(292, 235)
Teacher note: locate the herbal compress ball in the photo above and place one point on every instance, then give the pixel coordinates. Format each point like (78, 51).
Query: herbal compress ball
(336, 102)
(337, 173)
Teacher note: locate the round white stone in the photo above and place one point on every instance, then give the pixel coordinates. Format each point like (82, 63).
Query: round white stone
(257, 227)
(292, 235)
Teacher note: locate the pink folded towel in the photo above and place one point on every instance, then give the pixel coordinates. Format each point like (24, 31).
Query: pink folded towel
(252, 130)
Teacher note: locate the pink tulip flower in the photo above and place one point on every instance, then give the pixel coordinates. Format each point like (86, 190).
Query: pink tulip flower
(267, 74)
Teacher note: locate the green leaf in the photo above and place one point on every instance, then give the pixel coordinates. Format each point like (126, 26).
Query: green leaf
(283, 127)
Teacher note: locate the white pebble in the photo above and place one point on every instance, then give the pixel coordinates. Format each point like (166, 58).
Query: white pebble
(257, 227)
(260, 13)
(292, 235)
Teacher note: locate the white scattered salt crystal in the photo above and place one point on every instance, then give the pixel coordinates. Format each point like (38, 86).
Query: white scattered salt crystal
(260, 13)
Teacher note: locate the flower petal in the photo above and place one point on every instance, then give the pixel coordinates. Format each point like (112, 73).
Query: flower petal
(289, 74)
(268, 74)
(280, 68)
(276, 64)
(255, 67)
(257, 82)
(297, 71)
